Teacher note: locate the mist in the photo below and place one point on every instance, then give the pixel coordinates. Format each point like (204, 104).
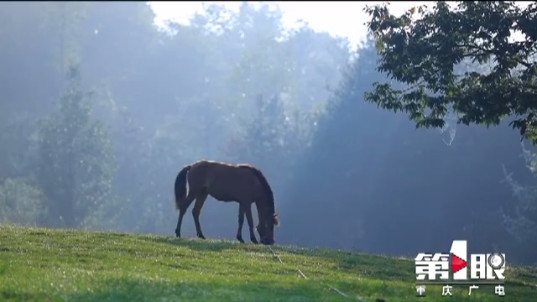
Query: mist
(100, 109)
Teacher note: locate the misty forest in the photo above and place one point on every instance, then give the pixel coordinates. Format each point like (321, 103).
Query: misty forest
(100, 109)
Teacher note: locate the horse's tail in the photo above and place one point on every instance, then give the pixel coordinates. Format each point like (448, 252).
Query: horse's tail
(180, 186)
(268, 191)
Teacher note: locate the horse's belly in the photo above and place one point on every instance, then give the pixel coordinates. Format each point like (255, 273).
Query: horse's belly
(222, 197)
(231, 186)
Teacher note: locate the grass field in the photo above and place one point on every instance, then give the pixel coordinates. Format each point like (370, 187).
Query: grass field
(66, 265)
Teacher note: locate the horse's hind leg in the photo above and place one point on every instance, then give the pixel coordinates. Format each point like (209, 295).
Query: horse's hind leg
(182, 210)
(241, 221)
(248, 210)
(196, 213)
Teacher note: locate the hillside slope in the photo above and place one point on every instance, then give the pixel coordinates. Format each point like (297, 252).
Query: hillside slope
(38, 264)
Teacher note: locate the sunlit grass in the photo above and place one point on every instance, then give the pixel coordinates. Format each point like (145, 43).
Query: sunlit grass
(64, 265)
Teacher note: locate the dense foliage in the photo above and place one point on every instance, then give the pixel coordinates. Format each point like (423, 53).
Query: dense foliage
(424, 52)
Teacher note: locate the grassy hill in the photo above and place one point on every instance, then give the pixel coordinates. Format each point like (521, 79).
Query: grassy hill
(39, 264)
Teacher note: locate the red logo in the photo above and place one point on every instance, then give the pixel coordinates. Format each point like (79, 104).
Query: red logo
(457, 263)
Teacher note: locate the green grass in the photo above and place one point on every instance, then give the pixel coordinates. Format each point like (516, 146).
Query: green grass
(39, 264)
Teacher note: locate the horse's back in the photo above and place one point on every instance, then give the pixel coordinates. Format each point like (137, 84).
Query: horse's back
(224, 181)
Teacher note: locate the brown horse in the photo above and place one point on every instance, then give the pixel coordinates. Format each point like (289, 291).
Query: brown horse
(244, 184)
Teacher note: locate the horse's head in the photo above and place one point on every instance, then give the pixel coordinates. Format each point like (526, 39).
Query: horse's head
(266, 228)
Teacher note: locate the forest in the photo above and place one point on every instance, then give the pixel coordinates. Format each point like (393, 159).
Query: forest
(100, 109)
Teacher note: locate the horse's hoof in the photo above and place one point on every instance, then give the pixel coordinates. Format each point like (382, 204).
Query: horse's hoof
(177, 235)
(201, 237)
(254, 240)
(240, 239)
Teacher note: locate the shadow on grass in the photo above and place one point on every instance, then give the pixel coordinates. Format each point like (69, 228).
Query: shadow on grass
(130, 289)
(360, 264)
(210, 245)
(12, 295)
(522, 276)
(379, 267)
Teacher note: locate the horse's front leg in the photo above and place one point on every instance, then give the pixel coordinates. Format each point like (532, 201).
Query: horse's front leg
(248, 210)
(196, 213)
(241, 221)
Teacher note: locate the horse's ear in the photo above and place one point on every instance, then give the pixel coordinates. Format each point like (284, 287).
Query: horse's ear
(276, 220)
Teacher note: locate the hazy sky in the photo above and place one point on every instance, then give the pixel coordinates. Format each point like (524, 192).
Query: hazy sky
(338, 18)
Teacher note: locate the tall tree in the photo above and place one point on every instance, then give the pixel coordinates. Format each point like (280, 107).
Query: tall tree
(76, 163)
(423, 52)
(29, 82)
(20, 202)
(520, 215)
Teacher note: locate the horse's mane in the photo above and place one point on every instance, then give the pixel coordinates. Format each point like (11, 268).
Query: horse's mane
(265, 185)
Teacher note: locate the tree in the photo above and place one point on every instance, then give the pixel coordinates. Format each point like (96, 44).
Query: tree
(272, 134)
(20, 202)
(425, 53)
(520, 215)
(76, 161)
(28, 52)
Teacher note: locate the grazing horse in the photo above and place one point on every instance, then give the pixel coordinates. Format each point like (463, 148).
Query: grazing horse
(244, 184)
